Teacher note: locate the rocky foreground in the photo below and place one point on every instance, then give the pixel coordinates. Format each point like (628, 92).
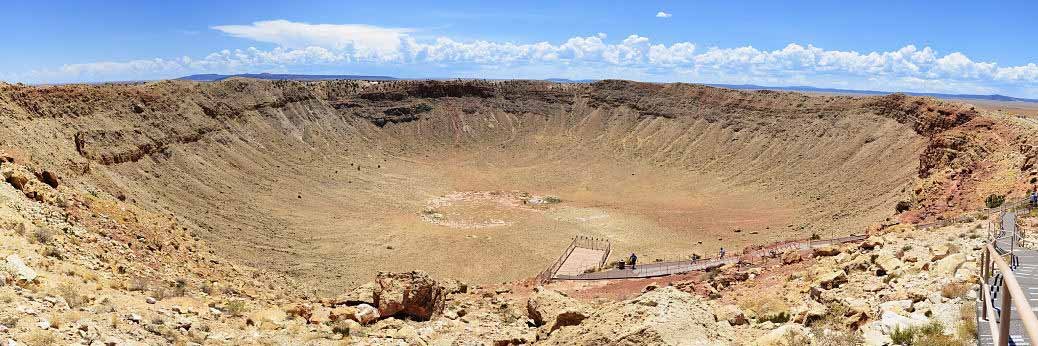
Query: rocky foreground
(88, 269)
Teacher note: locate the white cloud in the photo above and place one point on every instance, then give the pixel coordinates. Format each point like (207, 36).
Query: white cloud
(302, 46)
(363, 40)
(662, 14)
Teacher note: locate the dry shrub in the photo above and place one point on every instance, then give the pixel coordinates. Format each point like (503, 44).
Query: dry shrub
(42, 235)
(838, 338)
(40, 338)
(967, 329)
(235, 307)
(137, 285)
(70, 292)
(955, 290)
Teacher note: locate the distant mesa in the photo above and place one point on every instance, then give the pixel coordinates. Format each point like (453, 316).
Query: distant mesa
(994, 97)
(274, 76)
(211, 77)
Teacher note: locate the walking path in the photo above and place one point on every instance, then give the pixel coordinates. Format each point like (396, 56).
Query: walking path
(580, 260)
(677, 267)
(1025, 268)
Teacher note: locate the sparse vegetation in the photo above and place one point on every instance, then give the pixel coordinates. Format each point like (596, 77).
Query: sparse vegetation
(71, 294)
(235, 307)
(967, 328)
(42, 235)
(902, 336)
(994, 200)
(40, 338)
(955, 290)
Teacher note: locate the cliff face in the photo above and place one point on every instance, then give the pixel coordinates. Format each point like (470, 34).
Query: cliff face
(285, 175)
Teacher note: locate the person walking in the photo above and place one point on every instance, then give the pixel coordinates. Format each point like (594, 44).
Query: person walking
(721, 254)
(634, 260)
(1034, 198)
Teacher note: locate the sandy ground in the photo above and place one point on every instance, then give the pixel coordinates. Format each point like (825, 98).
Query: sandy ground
(482, 232)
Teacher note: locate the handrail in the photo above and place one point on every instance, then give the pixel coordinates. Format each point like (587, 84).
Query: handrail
(1011, 288)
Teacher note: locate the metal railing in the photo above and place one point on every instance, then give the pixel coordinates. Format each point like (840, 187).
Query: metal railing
(1005, 285)
(582, 242)
(547, 274)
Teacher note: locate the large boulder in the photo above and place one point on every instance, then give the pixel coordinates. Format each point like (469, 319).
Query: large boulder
(730, 313)
(948, 265)
(664, 316)
(831, 279)
(887, 264)
(554, 310)
(412, 294)
(790, 257)
(267, 319)
(19, 269)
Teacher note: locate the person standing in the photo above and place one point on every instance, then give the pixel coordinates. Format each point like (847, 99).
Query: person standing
(1034, 198)
(721, 254)
(634, 260)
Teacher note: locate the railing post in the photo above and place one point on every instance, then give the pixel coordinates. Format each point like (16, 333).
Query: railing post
(1004, 316)
(985, 272)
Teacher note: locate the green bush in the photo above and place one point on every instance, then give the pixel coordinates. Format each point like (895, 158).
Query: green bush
(779, 318)
(994, 201)
(902, 336)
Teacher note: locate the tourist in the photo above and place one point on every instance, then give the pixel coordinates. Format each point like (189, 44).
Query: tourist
(1034, 198)
(634, 260)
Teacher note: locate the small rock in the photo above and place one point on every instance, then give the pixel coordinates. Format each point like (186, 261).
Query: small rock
(135, 318)
(150, 300)
(44, 324)
(366, 314)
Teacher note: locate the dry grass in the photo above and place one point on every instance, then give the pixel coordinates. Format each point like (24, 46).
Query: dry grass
(235, 307)
(967, 329)
(40, 338)
(955, 290)
(71, 293)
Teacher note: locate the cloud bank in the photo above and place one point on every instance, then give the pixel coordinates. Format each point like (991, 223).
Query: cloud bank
(301, 47)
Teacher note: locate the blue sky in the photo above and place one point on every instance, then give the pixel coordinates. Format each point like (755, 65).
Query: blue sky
(961, 47)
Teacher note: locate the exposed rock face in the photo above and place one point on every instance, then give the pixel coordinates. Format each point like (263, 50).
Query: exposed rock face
(554, 310)
(413, 294)
(665, 316)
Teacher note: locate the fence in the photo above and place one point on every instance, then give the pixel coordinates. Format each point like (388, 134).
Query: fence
(582, 242)
(1006, 285)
